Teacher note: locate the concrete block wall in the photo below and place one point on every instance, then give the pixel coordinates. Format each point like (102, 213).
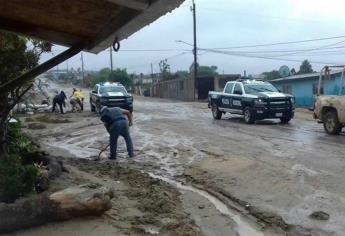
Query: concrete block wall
(180, 89)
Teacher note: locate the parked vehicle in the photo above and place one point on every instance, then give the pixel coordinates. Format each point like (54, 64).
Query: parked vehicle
(255, 100)
(330, 109)
(110, 95)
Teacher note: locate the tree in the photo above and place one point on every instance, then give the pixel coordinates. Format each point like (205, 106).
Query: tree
(305, 68)
(181, 74)
(164, 68)
(274, 74)
(118, 75)
(17, 55)
(121, 76)
(293, 71)
(207, 70)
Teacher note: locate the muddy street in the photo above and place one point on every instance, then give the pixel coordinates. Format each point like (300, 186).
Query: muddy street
(257, 179)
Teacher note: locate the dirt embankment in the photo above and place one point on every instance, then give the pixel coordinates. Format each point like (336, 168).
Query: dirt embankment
(141, 205)
(157, 204)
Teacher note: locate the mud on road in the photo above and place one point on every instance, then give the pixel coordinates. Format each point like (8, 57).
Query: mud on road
(268, 174)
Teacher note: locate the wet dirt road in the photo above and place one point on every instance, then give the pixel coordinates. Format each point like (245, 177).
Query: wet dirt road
(278, 173)
(290, 170)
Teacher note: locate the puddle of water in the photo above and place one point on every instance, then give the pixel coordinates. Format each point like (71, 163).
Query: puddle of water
(243, 227)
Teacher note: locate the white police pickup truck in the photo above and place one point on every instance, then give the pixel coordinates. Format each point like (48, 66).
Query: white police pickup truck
(254, 99)
(110, 95)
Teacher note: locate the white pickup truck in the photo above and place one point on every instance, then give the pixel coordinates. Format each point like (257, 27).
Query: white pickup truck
(330, 109)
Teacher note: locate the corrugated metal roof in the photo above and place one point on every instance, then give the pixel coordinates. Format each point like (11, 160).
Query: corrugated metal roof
(303, 76)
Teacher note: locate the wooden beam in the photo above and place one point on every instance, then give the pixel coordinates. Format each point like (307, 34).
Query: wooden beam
(133, 4)
(30, 75)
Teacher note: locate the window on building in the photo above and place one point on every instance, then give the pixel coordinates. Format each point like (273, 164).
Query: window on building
(181, 85)
(287, 88)
(315, 88)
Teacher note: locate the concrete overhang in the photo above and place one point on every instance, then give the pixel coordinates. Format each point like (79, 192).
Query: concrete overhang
(95, 24)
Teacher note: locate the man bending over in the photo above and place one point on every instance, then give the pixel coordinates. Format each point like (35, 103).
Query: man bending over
(115, 122)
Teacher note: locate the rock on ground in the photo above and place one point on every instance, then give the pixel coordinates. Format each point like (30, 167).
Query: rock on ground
(82, 200)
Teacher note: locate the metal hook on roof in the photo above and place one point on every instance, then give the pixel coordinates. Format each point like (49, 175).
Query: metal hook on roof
(116, 45)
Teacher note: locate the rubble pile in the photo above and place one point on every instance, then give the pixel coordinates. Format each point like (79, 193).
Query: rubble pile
(37, 99)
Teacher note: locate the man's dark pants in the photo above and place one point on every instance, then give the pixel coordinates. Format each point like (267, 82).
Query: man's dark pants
(120, 128)
(55, 102)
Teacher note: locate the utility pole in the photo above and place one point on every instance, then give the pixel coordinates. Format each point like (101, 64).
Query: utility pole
(195, 48)
(67, 65)
(111, 59)
(82, 69)
(152, 72)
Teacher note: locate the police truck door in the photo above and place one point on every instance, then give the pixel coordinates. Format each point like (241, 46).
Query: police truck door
(237, 95)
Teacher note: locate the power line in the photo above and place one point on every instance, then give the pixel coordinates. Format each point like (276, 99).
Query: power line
(286, 51)
(156, 62)
(233, 47)
(281, 43)
(156, 50)
(319, 48)
(265, 57)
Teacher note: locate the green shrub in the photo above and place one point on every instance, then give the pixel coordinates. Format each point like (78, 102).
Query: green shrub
(16, 180)
(18, 141)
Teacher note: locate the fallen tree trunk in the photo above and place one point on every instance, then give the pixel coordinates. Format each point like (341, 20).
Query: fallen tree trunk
(85, 200)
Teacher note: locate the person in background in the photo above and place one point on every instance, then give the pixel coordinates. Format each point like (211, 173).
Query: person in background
(115, 122)
(79, 94)
(75, 103)
(59, 99)
(77, 98)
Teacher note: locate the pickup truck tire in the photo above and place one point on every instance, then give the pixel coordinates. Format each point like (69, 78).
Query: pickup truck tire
(331, 123)
(216, 113)
(285, 120)
(248, 115)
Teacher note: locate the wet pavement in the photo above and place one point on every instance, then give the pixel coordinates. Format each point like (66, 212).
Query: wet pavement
(290, 170)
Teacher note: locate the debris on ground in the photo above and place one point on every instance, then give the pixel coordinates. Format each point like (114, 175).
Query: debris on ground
(319, 215)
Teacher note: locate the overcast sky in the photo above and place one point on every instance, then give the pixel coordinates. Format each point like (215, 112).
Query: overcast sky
(234, 23)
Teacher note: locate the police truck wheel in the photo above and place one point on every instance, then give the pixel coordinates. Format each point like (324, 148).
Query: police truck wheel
(331, 123)
(248, 116)
(217, 115)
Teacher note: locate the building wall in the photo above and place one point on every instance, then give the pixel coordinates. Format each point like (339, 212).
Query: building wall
(180, 89)
(183, 89)
(303, 89)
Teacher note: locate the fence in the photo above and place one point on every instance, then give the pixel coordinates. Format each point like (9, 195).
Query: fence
(183, 89)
